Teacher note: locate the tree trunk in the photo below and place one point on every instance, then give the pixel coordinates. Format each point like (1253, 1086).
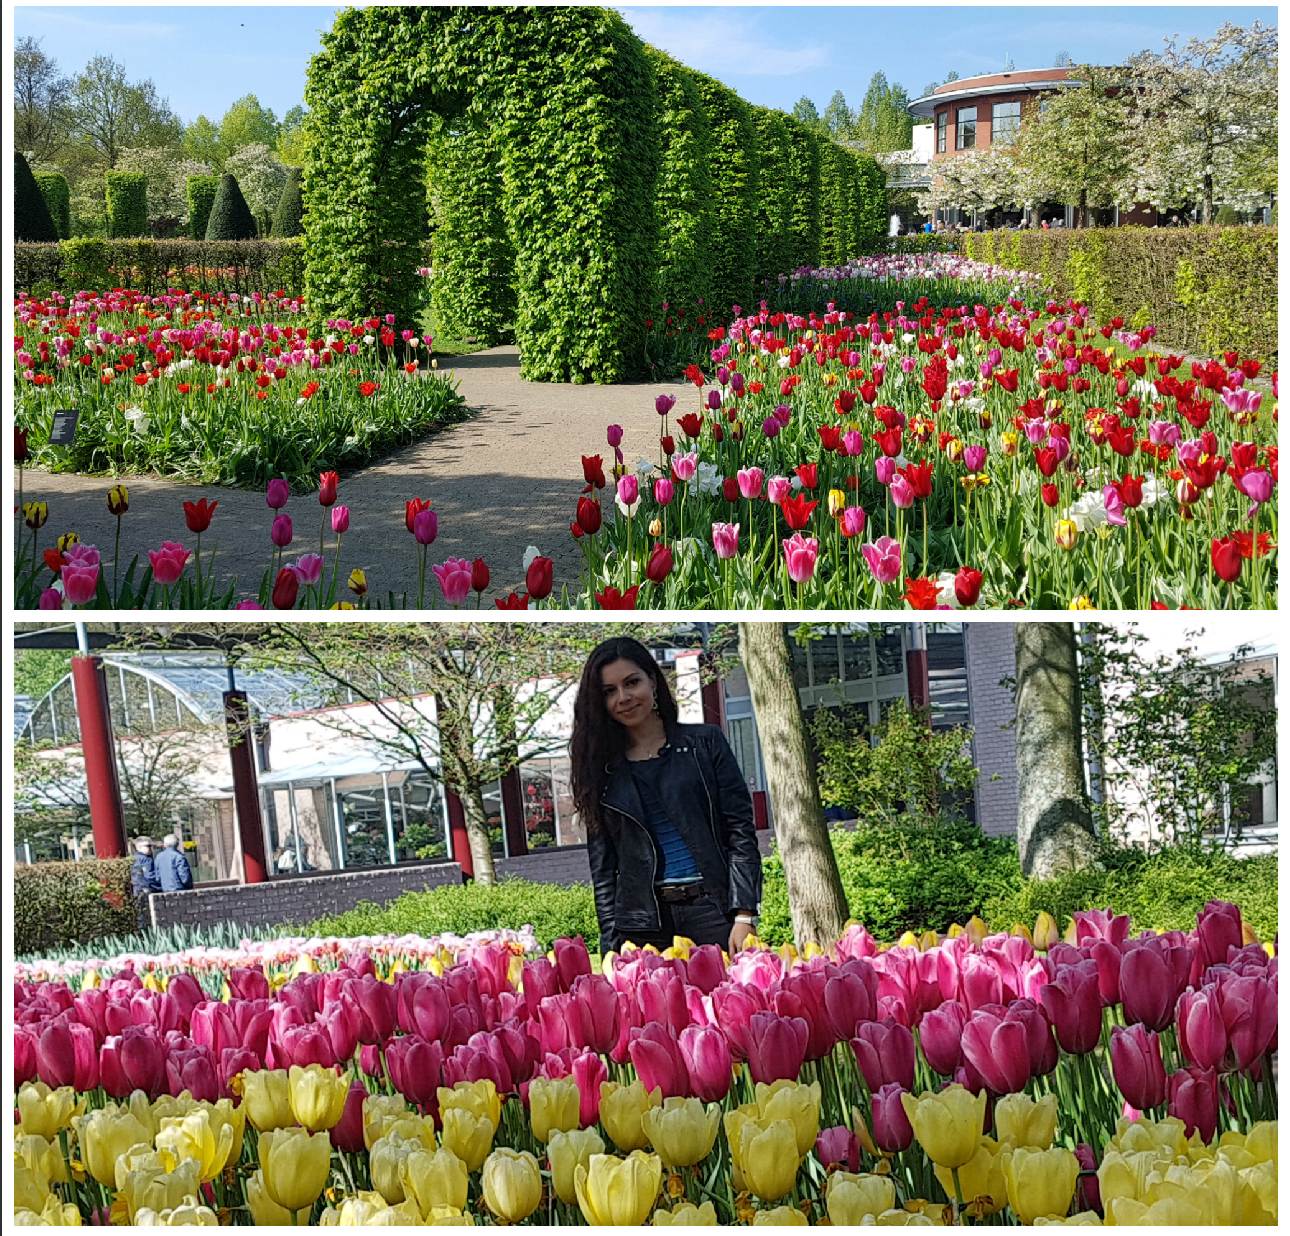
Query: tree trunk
(815, 897)
(460, 773)
(1207, 209)
(1083, 208)
(481, 844)
(1054, 826)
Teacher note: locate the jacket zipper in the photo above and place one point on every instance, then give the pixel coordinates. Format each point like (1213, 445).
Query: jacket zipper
(712, 825)
(653, 871)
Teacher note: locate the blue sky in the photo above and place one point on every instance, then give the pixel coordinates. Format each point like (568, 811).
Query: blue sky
(203, 57)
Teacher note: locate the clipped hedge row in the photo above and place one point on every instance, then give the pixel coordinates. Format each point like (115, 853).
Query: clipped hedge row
(55, 904)
(1206, 289)
(626, 179)
(126, 195)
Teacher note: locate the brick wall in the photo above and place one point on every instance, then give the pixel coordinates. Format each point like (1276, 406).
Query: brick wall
(297, 899)
(991, 656)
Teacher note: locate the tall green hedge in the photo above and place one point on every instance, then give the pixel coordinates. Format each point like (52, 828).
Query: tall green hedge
(625, 178)
(230, 217)
(57, 903)
(54, 189)
(200, 192)
(1206, 289)
(126, 196)
(31, 217)
(288, 215)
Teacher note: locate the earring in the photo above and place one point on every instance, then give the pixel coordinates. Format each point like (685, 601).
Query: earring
(656, 701)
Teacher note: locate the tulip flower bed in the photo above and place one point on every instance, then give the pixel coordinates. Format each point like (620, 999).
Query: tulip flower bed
(1016, 1078)
(219, 388)
(941, 457)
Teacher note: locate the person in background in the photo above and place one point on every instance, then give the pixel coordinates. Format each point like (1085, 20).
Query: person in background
(143, 879)
(173, 871)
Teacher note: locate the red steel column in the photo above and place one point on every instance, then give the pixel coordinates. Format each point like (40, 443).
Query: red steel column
(106, 815)
(246, 788)
(460, 839)
(517, 841)
(920, 691)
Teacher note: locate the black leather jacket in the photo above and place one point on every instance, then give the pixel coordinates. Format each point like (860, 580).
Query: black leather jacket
(709, 803)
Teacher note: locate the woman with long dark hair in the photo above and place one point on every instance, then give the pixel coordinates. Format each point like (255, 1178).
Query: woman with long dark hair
(669, 820)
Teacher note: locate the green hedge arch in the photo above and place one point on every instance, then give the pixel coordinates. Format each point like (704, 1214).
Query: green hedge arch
(576, 178)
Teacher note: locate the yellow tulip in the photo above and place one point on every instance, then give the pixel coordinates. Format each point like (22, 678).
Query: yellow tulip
(104, 1135)
(614, 1192)
(954, 932)
(553, 1105)
(1167, 1136)
(386, 1160)
(1045, 933)
(622, 1111)
(687, 1214)
(1168, 1212)
(928, 940)
(468, 1136)
(43, 1156)
(837, 502)
(264, 1210)
(446, 1216)
(1022, 1121)
(985, 1191)
(907, 940)
(317, 1096)
(511, 1184)
(55, 1213)
(154, 1180)
(1040, 1182)
(976, 929)
(566, 1151)
(683, 1130)
(767, 1156)
(1261, 1141)
(1085, 1218)
(793, 1101)
(197, 1137)
(1081, 602)
(850, 1196)
(266, 1096)
(359, 1210)
(164, 1107)
(296, 1166)
(435, 1179)
(1124, 1174)
(44, 1111)
(223, 1112)
(947, 1123)
(379, 1110)
(780, 1216)
(189, 1213)
(479, 1097)
(1066, 533)
(1020, 929)
(900, 1218)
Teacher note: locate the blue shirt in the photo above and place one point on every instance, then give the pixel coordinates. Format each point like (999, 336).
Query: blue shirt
(678, 863)
(173, 871)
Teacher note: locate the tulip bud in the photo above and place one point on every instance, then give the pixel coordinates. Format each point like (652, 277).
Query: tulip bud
(296, 1166)
(567, 1151)
(1040, 1183)
(682, 1131)
(511, 1184)
(947, 1123)
(435, 1178)
(622, 1110)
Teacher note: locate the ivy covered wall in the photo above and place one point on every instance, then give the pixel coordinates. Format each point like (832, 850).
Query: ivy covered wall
(576, 179)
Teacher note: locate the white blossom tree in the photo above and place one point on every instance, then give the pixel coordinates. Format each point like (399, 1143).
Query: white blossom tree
(167, 180)
(261, 176)
(1204, 121)
(981, 180)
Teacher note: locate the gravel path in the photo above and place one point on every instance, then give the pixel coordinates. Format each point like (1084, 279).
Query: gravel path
(505, 479)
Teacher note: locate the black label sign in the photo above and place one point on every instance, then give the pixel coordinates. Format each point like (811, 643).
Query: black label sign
(64, 428)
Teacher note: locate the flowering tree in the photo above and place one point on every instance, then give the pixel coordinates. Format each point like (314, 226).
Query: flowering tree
(167, 183)
(261, 177)
(981, 180)
(1073, 148)
(1204, 120)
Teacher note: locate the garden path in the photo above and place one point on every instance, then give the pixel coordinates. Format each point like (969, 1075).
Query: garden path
(505, 479)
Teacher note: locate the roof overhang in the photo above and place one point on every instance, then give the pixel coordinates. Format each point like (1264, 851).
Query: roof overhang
(927, 105)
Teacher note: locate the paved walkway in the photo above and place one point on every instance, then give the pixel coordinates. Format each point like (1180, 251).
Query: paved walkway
(505, 479)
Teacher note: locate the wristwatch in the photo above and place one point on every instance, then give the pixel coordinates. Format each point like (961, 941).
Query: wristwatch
(748, 920)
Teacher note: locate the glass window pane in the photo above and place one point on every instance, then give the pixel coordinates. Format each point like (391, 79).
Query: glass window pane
(743, 741)
(890, 653)
(825, 664)
(1005, 123)
(366, 838)
(136, 704)
(495, 817)
(537, 793)
(65, 721)
(424, 834)
(570, 829)
(965, 128)
(857, 663)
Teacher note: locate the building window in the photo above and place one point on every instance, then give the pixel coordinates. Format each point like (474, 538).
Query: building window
(965, 128)
(942, 123)
(1005, 123)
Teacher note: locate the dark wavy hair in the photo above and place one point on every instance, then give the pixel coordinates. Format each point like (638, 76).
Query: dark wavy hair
(598, 740)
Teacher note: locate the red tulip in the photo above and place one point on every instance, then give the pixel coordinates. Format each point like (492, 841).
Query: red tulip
(967, 586)
(24, 1056)
(1193, 1099)
(20, 451)
(328, 483)
(808, 474)
(286, 589)
(593, 471)
(1088, 1192)
(589, 516)
(885, 1053)
(659, 565)
(347, 1133)
(892, 1131)
(1225, 555)
(56, 1056)
(776, 1046)
(797, 511)
(479, 575)
(1137, 1067)
(707, 1061)
(539, 578)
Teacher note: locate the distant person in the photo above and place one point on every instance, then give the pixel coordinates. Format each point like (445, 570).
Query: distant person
(928, 227)
(143, 879)
(1044, 224)
(285, 862)
(173, 871)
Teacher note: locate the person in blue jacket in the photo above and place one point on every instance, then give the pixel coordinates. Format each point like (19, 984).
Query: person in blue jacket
(143, 878)
(173, 871)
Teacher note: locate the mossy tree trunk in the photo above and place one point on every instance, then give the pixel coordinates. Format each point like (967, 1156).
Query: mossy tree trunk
(1054, 824)
(816, 900)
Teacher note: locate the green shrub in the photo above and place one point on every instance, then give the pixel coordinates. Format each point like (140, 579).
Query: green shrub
(230, 217)
(58, 197)
(553, 910)
(1205, 289)
(31, 217)
(289, 213)
(57, 904)
(200, 192)
(126, 195)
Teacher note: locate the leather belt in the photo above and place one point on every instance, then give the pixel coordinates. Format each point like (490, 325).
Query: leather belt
(680, 892)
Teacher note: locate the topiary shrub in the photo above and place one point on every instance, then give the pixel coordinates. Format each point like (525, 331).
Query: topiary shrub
(200, 192)
(126, 196)
(31, 217)
(230, 217)
(56, 904)
(288, 216)
(58, 197)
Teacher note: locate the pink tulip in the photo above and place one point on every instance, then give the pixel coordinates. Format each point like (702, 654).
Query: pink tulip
(308, 568)
(277, 493)
(454, 578)
(658, 1061)
(707, 1061)
(800, 554)
(80, 581)
(340, 520)
(347, 1133)
(193, 1070)
(884, 468)
(706, 968)
(281, 532)
(423, 1006)
(614, 435)
(851, 997)
(902, 492)
(598, 1009)
(852, 521)
(1137, 1067)
(143, 1060)
(1148, 986)
(685, 466)
(838, 1147)
(1193, 1099)
(1100, 925)
(1218, 929)
(732, 1007)
(306, 1045)
(725, 540)
(883, 558)
(628, 488)
(974, 458)
(168, 562)
(589, 1072)
(212, 1026)
(663, 490)
(663, 404)
(885, 1053)
(852, 443)
(997, 1049)
(235, 1060)
(776, 1046)
(1202, 1034)
(750, 482)
(50, 598)
(415, 1068)
(425, 526)
(892, 1131)
(1075, 1007)
(24, 1056)
(1249, 1010)
(777, 489)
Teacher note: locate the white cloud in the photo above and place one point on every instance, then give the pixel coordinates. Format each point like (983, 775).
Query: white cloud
(722, 44)
(117, 25)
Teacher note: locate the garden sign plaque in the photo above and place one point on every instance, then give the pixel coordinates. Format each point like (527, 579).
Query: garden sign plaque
(63, 430)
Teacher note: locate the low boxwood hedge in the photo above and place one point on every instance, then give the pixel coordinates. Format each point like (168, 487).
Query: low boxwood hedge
(55, 904)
